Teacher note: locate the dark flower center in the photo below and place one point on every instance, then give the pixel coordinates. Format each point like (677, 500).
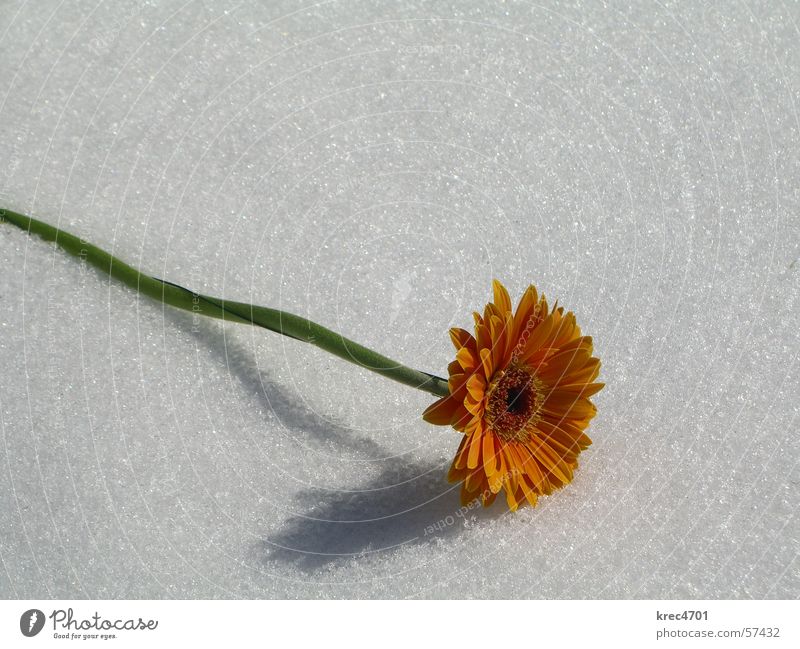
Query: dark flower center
(518, 400)
(514, 399)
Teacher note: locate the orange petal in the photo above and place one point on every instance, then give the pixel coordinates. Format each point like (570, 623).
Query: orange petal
(466, 496)
(512, 467)
(537, 337)
(511, 341)
(502, 467)
(495, 482)
(490, 311)
(569, 453)
(460, 459)
(475, 425)
(552, 462)
(561, 366)
(528, 491)
(565, 429)
(498, 333)
(440, 412)
(486, 358)
(476, 386)
(456, 381)
(584, 342)
(511, 500)
(490, 462)
(568, 406)
(516, 458)
(454, 368)
(460, 419)
(467, 360)
(483, 337)
(566, 330)
(533, 468)
(587, 374)
(525, 308)
(585, 390)
(474, 407)
(462, 338)
(474, 481)
(474, 450)
(455, 474)
(542, 307)
(501, 297)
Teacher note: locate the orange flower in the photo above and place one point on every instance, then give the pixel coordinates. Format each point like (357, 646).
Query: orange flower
(519, 391)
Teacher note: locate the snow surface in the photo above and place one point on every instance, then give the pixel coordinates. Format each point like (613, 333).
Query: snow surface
(372, 166)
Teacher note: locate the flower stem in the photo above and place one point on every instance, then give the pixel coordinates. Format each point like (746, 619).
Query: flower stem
(280, 322)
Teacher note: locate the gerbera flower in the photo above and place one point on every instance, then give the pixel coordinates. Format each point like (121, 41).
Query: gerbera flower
(519, 392)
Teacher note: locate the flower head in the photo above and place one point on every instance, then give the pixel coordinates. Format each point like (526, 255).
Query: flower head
(519, 392)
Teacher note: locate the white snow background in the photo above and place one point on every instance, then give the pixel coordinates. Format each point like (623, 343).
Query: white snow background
(372, 165)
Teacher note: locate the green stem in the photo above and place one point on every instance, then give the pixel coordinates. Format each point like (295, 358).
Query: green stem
(281, 322)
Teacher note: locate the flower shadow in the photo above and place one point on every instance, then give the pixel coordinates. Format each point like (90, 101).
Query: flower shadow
(407, 504)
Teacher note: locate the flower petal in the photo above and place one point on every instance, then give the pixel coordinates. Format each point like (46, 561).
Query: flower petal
(440, 412)
(467, 359)
(490, 461)
(501, 297)
(538, 337)
(462, 338)
(564, 430)
(460, 459)
(476, 386)
(579, 389)
(552, 462)
(562, 365)
(473, 458)
(486, 358)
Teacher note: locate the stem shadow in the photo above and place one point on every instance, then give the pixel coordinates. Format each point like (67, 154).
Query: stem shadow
(407, 503)
(289, 408)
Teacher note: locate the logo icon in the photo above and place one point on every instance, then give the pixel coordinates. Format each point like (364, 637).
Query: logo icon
(31, 622)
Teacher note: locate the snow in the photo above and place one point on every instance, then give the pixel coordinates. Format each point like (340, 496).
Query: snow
(372, 166)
